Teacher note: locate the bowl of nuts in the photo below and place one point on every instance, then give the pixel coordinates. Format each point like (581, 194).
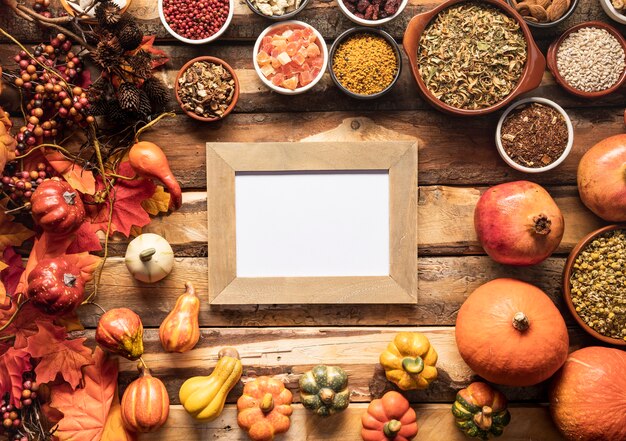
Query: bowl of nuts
(207, 89)
(616, 9)
(277, 10)
(370, 12)
(196, 22)
(594, 284)
(589, 60)
(544, 13)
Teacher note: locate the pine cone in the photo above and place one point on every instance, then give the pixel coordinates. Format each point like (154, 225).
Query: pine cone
(130, 36)
(108, 51)
(157, 91)
(141, 64)
(97, 90)
(115, 114)
(128, 96)
(108, 13)
(99, 108)
(145, 107)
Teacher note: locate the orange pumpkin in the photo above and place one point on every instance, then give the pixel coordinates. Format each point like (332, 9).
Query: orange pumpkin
(180, 330)
(509, 332)
(264, 408)
(389, 418)
(145, 403)
(588, 395)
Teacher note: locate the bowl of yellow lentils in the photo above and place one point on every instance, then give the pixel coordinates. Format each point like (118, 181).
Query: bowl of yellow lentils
(365, 63)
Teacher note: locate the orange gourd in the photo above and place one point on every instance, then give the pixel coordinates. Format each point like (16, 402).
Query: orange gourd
(588, 395)
(264, 408)
(389, 418)
(509, 332)
(145, 403)
(180, 330)
(148, 160)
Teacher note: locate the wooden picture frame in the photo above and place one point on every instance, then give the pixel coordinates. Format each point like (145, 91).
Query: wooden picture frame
(399, 159)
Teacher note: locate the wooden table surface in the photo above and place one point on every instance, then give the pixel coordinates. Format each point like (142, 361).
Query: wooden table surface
(457, 160)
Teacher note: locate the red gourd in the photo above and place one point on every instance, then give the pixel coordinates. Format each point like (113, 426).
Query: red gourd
(56, 286)
(57, 207)
(588, 395)
(509, 332)
(180, 331)
(145, 403)
(148, 160)
(120, 331)
(389, 418)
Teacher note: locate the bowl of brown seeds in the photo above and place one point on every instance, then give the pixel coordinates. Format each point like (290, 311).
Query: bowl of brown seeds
(594, 284)
(544, 13)
(534, 135)
(207, 88)
(472, 57)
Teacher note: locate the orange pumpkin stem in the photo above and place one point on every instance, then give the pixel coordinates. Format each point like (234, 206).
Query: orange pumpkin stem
(520, 321)
(392, 428)
(267, 403)
(143, 369)
(484, 419)
(542, 224)
(413, 365)
(327, 395)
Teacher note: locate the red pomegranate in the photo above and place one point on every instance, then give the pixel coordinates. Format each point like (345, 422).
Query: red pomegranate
(518, 223)
(602, 178)
(588, 395)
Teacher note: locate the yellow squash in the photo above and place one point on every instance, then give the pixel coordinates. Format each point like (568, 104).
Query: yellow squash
(409, 361)
(204, 397)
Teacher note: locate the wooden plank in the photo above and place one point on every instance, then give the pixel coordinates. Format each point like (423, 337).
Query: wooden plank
(324, 16)
(444, 283)
(287, 353)
(435, 423)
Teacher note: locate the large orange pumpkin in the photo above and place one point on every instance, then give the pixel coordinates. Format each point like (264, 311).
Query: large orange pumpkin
(588, 395)
(509, 332)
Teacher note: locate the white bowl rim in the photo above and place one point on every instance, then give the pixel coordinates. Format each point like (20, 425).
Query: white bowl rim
(608, 7)
(271, 85)
(560, 159)
(364, 22)
(231, 12)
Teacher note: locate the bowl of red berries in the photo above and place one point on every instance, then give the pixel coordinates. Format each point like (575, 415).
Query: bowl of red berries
(290, 57)
(196, 22)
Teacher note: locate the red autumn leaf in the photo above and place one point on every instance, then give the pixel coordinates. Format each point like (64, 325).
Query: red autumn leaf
(57, 355)
(84, 80)
(86, 409)
(127, 198)
(25, 324)
(13, 363)
(79, 178)
(159, 57)
(10, 276)
(11, 233)
(85, 239)
(46, 246)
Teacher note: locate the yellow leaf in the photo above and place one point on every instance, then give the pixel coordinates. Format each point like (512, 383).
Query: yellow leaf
(3, 266)
(11, 233)
(159, 202)
(114, 429)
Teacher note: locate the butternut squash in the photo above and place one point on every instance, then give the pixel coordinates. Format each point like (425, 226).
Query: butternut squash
(204, 397)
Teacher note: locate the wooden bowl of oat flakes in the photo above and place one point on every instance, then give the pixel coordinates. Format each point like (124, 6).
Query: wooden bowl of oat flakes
(207, 89)
(498, 52)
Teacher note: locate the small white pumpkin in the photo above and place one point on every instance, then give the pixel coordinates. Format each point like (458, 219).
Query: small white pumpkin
(149, 257)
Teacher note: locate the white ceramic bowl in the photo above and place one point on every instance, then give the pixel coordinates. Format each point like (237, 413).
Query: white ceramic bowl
(364, 22)
(546, 102)
(231, 11)
(267, 82)
(612, 12)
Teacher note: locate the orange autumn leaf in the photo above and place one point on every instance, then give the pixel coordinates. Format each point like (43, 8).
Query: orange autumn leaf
(79, 178)
(13, 364)
(85, 410)
(114, 429)
(3, 291)
(159, 202)
(87, 263)
(11, 233)
(57, 355)
(7, 142)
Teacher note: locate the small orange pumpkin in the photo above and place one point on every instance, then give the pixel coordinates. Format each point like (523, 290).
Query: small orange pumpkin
(509, 332)
(389, 418)
(145, 403)
(264, 408)
(180, 330)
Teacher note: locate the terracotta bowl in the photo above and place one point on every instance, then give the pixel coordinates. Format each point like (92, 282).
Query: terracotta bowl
(214, 61)
(567, 294)
(531, 76)
(91, 20)
(554, 47)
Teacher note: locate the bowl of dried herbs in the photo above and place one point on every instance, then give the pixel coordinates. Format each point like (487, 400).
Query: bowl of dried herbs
(594, 284)
(207, 88)
(472, 57)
